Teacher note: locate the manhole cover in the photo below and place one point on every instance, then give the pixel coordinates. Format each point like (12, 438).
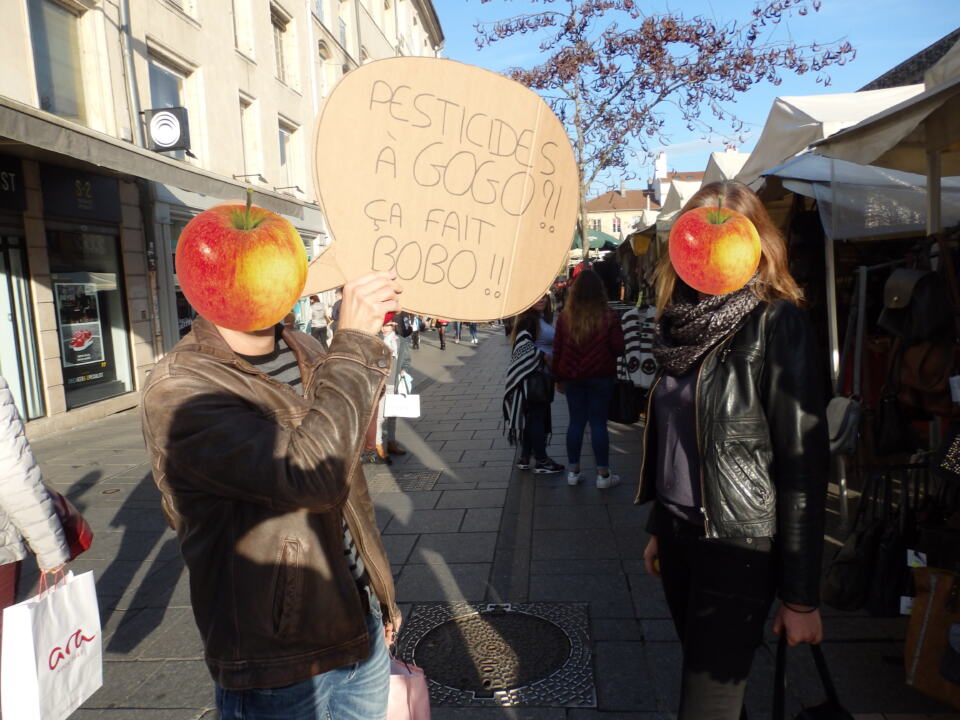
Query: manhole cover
(403, 481)
(479, 654)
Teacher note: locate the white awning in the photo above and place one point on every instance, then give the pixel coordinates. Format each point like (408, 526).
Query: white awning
(900, 137)
(49, 133)
(795, 122)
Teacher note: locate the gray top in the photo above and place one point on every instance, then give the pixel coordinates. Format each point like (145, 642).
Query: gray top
(678, 459)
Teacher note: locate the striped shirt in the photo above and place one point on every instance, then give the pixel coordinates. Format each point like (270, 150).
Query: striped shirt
(281, 365)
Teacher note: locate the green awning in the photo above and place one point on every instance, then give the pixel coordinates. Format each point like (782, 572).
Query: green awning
(598, 240)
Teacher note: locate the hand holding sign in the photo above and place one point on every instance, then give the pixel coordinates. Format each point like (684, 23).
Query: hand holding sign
(459, 180)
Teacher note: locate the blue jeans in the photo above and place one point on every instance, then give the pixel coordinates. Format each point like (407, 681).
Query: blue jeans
(354, 692)
(589, 401)
(473, 331)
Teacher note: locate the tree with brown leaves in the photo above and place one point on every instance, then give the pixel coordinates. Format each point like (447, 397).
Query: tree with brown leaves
(614, 73)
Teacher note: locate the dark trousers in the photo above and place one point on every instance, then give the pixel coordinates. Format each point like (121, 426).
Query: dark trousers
(415, 340)
(321, 335)
(535, 432)
(719, 593)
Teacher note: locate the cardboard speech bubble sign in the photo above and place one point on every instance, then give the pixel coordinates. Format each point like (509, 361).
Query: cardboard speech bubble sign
(461, 180)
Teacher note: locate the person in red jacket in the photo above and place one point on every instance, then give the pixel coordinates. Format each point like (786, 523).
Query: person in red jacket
(588, 342)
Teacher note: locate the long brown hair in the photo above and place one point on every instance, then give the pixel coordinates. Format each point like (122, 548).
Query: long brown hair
(586, 310)
(774, 279)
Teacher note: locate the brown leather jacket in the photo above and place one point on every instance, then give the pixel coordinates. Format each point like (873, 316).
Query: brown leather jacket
(255, 479)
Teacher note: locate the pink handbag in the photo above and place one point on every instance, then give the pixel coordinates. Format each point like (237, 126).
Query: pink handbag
(409, 698)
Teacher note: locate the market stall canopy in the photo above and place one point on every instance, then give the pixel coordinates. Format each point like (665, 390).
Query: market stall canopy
(900, 137)
(598, 240)
(724, 166)
(41, 134)
(677, 196)
(796, 122)
(871, 201)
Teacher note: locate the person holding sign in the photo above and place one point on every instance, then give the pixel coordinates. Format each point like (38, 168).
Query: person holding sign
(254, 435)
(735, 447)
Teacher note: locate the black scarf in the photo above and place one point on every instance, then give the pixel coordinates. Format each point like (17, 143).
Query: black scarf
(687, 330)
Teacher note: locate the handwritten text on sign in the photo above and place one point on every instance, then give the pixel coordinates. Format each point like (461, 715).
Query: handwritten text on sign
(460, 180)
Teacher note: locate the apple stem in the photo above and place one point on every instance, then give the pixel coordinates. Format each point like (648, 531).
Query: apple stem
(246, 215)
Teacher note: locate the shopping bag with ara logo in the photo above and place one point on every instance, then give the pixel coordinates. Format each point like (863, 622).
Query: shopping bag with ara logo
(52, 653)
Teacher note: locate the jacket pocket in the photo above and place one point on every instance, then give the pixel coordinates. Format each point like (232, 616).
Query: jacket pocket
(747, 483)
(288, 589)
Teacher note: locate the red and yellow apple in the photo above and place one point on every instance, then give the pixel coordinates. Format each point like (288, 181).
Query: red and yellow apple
(241, 267)
(714, 250)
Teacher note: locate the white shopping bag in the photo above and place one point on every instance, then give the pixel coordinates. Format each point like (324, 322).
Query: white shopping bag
(52, 652)
(400, 405)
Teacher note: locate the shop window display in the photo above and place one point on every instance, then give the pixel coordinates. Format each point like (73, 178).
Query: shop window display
(87, 284)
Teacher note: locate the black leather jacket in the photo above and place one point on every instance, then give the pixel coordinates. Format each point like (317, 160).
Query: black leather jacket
(763, 444)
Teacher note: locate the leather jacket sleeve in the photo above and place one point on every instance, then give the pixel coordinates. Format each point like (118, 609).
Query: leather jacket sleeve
(793, 403)
(218, 440)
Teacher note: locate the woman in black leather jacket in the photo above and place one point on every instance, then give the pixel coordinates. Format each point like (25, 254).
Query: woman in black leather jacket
(736, 462)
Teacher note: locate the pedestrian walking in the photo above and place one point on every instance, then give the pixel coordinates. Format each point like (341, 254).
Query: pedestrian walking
(257, 466)
(441, 324)
(473, 334)
(397, 381)
(416, 325)
(735, 463)
(528, 394)
(588, 342)
(335, 310)
(28, 521)
(318, 320)
(457, 325)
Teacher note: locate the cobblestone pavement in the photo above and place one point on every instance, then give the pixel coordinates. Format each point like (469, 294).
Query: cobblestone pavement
(484, 532)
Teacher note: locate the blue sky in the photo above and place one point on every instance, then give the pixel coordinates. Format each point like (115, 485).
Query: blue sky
(884, 33)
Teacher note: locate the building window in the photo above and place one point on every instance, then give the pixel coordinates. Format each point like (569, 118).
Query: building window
(595, 224)
(318, 10)
(279, 28)
(248, 137)
(243, 27)
(324, 54)
(55, 36)
(166, 90)
(616, 224)
(343, 33)
(88, 290)
(19, 362)
(286, 136)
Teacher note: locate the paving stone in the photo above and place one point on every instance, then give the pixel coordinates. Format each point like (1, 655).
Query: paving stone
(481, 520)
(438, 436)
(398, 548)
(437, 583)
(614, 628)
(624, 682)
(648, 599)
(570, 517)
(572, 544)
(471, 444)
(425, 521)
(472, 498)
(598, 566)
(608, 595)
(400, 501)
(455, 548)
